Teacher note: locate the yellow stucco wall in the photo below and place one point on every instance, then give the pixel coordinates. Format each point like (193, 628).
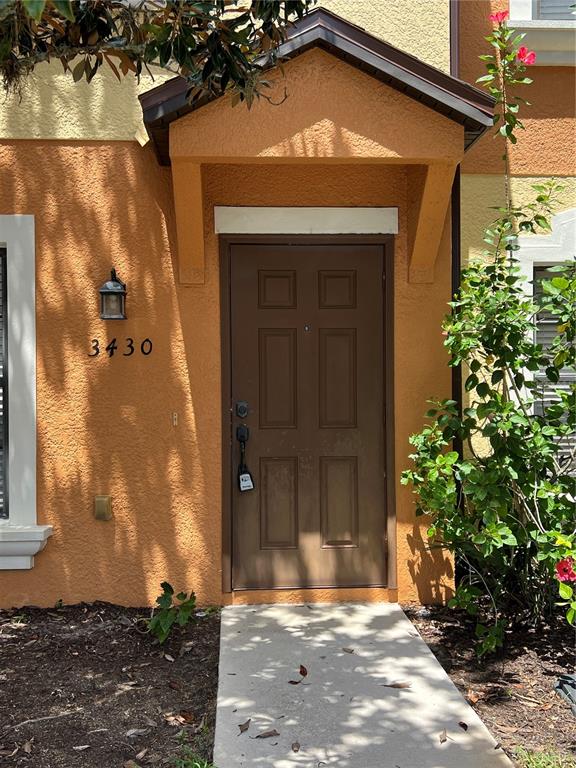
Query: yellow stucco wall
(54, 107)
(419, 27)
(479, 192)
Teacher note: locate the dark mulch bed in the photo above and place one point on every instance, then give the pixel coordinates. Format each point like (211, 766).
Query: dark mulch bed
(112, 695)
(512, 691)
(104, 695)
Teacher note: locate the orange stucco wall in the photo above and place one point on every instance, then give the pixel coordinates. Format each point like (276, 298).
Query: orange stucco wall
(326, 110)
(544, 148)
(105, 426)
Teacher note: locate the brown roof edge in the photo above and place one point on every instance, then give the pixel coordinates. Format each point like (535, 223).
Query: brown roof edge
(440, 91)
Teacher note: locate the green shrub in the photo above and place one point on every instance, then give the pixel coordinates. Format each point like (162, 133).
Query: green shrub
(505, 507)
(172, 610)
(530, 759)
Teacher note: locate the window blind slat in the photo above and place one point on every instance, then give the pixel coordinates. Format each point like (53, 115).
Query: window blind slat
(545, 332)
(556, 10)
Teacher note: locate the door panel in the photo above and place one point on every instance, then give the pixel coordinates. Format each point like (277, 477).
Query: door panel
(307, 354)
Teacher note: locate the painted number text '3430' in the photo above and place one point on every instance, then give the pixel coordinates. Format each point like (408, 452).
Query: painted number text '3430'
(125, 348)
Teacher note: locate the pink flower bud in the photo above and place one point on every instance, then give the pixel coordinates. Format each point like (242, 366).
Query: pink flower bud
(499, 17)
(525, 56)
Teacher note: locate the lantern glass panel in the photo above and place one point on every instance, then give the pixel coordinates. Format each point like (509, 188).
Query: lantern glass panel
(112, 305)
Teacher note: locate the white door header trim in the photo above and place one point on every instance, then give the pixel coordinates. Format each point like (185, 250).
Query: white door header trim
(305, 221)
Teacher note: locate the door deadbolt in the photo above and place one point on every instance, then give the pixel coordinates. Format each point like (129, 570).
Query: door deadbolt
(242, 409)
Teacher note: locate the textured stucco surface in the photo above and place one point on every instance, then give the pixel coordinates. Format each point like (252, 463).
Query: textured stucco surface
(54, 107)
(545, 147)
(420, 27)
(479, 193)
(105, 425)
(332, 111)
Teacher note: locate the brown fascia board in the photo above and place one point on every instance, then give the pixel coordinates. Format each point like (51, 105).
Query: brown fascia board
(454, 98)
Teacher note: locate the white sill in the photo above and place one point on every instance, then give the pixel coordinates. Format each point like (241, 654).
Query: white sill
(553, 41)
(19, 544)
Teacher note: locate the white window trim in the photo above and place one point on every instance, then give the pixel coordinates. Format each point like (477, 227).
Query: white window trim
(20, 536)
(305, 221)
(536, 250)
(553, 41)
(546, 250)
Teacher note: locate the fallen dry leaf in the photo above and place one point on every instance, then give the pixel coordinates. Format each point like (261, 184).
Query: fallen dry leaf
(27, 746)
(267, 734)
(303, 673)
(127, 685)
(142, 753)
(296, 747)
(133, 732)
(130, 764)
(348, 650)
(168, 657)
(399, 684)
(244, 726)
(173, 719)
(443, 736)
(508, 728)
(473, 697)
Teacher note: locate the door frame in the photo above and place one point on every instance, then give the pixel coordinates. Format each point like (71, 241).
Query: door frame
(226, 242)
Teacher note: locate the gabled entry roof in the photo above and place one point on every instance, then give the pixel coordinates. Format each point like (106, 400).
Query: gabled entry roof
(453, 98)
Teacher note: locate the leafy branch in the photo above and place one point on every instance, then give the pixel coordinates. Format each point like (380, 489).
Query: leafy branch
(506, 508)
(215, 45)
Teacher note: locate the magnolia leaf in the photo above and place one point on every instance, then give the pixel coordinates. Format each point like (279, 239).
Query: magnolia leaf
(34, 8)
(78, 71)
(65, 8)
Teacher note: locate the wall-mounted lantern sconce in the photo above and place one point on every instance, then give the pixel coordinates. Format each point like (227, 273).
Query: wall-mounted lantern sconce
(113, 299)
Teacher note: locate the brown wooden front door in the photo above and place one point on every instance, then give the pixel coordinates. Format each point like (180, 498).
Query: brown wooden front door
(308, 357)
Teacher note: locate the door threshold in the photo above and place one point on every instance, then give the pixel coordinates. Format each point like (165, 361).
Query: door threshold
(312, 595)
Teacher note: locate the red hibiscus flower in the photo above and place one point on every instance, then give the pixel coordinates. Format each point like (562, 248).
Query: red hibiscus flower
(498, 18)
(565, 570)
(525, 56)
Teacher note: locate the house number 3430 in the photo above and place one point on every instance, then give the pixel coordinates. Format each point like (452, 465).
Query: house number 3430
(128, 349)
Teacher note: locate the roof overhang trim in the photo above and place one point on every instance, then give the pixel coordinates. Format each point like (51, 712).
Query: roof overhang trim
(454, 98)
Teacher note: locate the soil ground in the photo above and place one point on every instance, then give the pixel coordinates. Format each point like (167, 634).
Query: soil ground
(513, 692)
(99, 693)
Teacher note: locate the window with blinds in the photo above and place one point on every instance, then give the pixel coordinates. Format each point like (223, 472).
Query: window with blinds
(556, 10)
(545, 333)
(3, 388)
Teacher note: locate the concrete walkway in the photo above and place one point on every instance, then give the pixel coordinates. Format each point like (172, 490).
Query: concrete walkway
(341, 713)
